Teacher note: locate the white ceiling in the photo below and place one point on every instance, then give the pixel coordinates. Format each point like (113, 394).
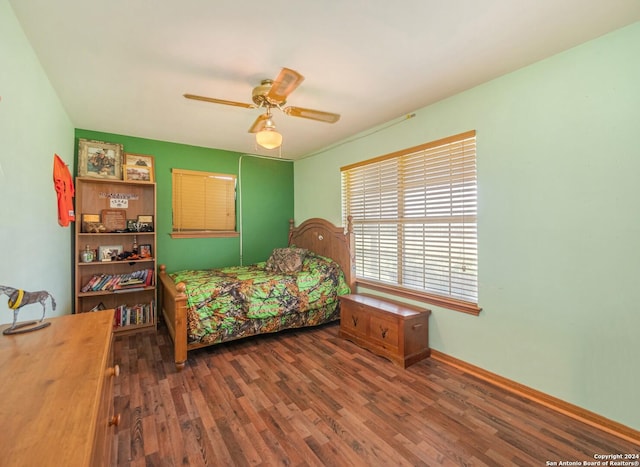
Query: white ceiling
(122, 66)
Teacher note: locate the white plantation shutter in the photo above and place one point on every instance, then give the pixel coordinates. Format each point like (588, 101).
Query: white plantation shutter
(414, 218)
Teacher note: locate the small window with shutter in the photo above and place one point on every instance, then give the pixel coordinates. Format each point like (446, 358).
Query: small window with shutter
(204, 204)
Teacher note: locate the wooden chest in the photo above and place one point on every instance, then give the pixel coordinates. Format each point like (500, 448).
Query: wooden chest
(394, 330)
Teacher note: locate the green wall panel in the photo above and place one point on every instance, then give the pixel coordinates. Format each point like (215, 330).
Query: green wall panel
(265, 193)
(267, 205)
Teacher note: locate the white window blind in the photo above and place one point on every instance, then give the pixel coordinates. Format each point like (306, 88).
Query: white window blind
(203, 201)
(414, 215)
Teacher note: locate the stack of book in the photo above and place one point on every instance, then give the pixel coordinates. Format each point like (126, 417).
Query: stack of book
(131, 315)
(119, 282)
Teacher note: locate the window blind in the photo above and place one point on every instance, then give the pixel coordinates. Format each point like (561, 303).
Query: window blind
(414, 215)
(203, 201)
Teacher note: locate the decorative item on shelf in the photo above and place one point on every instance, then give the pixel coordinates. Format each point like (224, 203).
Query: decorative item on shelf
(144, 165)
(99, 307)
(87, 256)
(134, 247)
(109, 253)
(114, 220)
(94, 227)
(145, 251)
(146, 223)
(99, 159)
(91, 224)
(128, 256)
(19, 298)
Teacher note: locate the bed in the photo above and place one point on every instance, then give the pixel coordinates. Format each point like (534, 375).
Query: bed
(209, 307)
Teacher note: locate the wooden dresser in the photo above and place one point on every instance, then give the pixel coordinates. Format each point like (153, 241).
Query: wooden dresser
(394, 330)
(56, 402)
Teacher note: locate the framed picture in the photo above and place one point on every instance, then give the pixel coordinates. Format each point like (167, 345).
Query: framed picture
(109, 253)
(99, 159)
(145, 251)
(138, 173)
(131, 225)
(91, 218)
(145, 223)
(91, 223)
(140, 160)
(114, 220)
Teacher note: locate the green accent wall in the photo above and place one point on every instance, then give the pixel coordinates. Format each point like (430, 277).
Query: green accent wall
(559, 223)
(267, 206)
(264, 205)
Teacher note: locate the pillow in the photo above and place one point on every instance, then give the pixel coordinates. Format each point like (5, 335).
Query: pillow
(286, 260)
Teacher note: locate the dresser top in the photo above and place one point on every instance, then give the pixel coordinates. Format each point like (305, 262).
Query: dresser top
(51, 382)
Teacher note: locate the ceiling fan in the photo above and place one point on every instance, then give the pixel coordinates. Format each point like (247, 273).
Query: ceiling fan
(273, 94)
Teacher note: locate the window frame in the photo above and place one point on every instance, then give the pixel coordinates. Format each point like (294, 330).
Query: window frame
(375, 195)
(177, 232)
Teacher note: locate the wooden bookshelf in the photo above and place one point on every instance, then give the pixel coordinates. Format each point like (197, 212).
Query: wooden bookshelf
(113, 201)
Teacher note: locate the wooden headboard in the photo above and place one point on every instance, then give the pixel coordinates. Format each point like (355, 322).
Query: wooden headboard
(324, 238)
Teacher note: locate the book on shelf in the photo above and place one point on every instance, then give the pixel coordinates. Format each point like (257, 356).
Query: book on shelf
(91, 282)
(132, 315)
(115, 282)
(103, 280)
(129, 289)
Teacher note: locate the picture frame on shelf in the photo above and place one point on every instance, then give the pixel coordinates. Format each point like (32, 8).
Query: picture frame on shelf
(145, 223)
(140, 160)
(108, 253)
(131, 225)
(137, 173)
(99, 159)
(91, 218)
(91, 223)
(114, 220)
(145, 250)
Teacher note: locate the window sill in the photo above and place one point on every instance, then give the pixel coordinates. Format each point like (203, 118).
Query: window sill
(205, 234)
(444, 302)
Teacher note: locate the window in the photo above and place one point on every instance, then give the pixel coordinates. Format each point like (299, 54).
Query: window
(414, 218)
(204, 204)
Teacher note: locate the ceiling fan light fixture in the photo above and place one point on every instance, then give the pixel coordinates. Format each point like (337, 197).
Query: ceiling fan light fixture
(268, 137)
(273, 94)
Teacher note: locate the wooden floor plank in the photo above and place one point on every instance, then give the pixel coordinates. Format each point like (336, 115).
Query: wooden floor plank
(310, 398)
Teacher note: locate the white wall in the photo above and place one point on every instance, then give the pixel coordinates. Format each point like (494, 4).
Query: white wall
(559, 223)
(35, 252)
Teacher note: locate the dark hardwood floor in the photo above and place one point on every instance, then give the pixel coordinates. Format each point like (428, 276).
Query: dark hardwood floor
(310, 398)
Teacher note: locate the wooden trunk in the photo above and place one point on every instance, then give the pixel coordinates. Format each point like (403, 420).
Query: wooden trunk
(394, 330)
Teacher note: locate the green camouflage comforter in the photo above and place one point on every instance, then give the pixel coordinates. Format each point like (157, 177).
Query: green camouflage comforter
(227, 303)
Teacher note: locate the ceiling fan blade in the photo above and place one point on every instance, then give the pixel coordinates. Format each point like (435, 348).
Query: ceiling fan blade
(319, 115)
(259, 123)
(286, 82)
(219, 101)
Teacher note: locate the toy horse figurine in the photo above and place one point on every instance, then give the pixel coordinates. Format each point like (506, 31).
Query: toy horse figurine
(19, 298)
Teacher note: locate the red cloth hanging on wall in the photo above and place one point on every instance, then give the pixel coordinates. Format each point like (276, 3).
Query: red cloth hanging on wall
(63, 183)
